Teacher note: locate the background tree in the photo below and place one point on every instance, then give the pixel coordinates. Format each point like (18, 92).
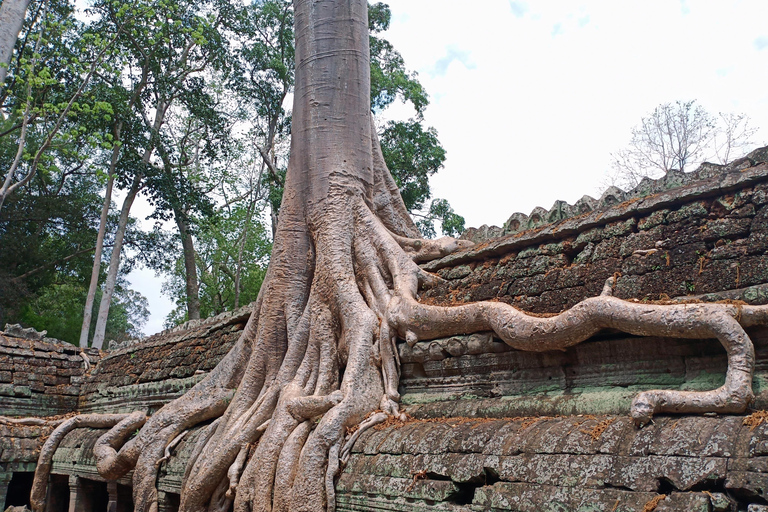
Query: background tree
(12, 14)
(167, 50)
(56, 126)
(414, 154)
(232, 253)
(50, 87)
(678, 136)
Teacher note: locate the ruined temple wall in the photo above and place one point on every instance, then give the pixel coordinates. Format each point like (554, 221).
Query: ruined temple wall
(584, 463)
(38, 377)
(146, 375)
(41, 377)
(523, 434)
(709, 236)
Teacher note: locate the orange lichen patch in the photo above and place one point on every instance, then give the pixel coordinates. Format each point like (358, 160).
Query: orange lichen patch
(506, 259)
(628, 202)
(596, 431)
(755, 419)
(702, 262)
(653, 503)
(419, 475)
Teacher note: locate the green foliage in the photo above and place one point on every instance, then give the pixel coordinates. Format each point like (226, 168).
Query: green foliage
(389, 78)
(412, 155)
(47, 235)
(232, 247)
(440, 210)
(58, 309)
(51, 108)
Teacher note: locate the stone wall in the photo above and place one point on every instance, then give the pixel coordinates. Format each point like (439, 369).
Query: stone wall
(707, 237)
(41, 377)
(146, 375)
(603, 463)
(493, 428)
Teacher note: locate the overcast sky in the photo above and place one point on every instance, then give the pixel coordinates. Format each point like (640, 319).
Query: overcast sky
(530, 98)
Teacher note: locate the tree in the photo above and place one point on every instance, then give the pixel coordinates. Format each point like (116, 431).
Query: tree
(410, 150)
(165, 57)
(51, 86)
(232, 254)
(413, 155)
(11, 20)
(676, 136)
(733, 135)
(57, 311)
(317, 357)
(47, 235)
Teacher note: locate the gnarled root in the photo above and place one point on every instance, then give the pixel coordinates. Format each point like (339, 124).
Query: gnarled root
(44, 461)
(591, 315)
(318, 356)
(112, 464)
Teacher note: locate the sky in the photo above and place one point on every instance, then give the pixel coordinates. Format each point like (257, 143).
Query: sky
(529, 99)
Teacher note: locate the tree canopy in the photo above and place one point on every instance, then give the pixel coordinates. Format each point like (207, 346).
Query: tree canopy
(184, 104)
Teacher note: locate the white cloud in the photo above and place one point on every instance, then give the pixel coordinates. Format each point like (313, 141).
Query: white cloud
(452, 54)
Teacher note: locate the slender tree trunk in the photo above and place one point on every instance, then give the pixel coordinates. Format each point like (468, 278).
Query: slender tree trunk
(190, 268)
(241, 248)
(12, 14)
(96, 269)
(114, 264)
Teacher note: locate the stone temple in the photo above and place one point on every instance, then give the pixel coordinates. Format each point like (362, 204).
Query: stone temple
(490, 428)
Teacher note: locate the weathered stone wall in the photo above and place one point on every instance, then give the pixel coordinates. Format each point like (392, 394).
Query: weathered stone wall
(38, 377)
(146, 375)
(41, 377)
(557, 464)
(478, 375)
(708, 236)
(494, 428)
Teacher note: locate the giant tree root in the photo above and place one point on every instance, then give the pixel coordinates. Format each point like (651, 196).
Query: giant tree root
(44, 461)
(284, 437)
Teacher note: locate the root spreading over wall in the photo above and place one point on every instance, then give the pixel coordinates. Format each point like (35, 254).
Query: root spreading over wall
(317, 363)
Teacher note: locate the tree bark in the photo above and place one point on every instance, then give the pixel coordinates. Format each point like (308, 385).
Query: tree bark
(12, 13)
(114, 264)
(190, 267)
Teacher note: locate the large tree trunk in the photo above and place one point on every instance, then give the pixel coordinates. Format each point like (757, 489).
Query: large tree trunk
(12, 14)
(114, 264)
(190, 268)
(318, 356)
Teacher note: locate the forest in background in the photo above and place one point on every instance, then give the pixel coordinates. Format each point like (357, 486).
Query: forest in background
(184, 103)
